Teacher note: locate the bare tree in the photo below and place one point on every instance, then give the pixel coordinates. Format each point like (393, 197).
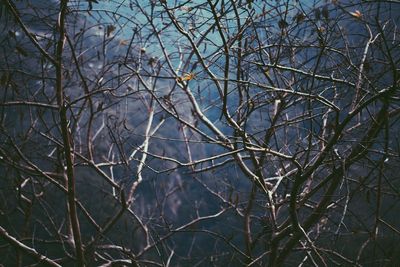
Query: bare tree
(170, 133)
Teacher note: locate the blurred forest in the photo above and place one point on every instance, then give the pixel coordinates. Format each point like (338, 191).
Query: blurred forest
(199, 133)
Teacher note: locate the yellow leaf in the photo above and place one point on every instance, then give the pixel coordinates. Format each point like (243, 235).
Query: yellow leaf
(187, 77)
(357, 14)
(124, 42)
